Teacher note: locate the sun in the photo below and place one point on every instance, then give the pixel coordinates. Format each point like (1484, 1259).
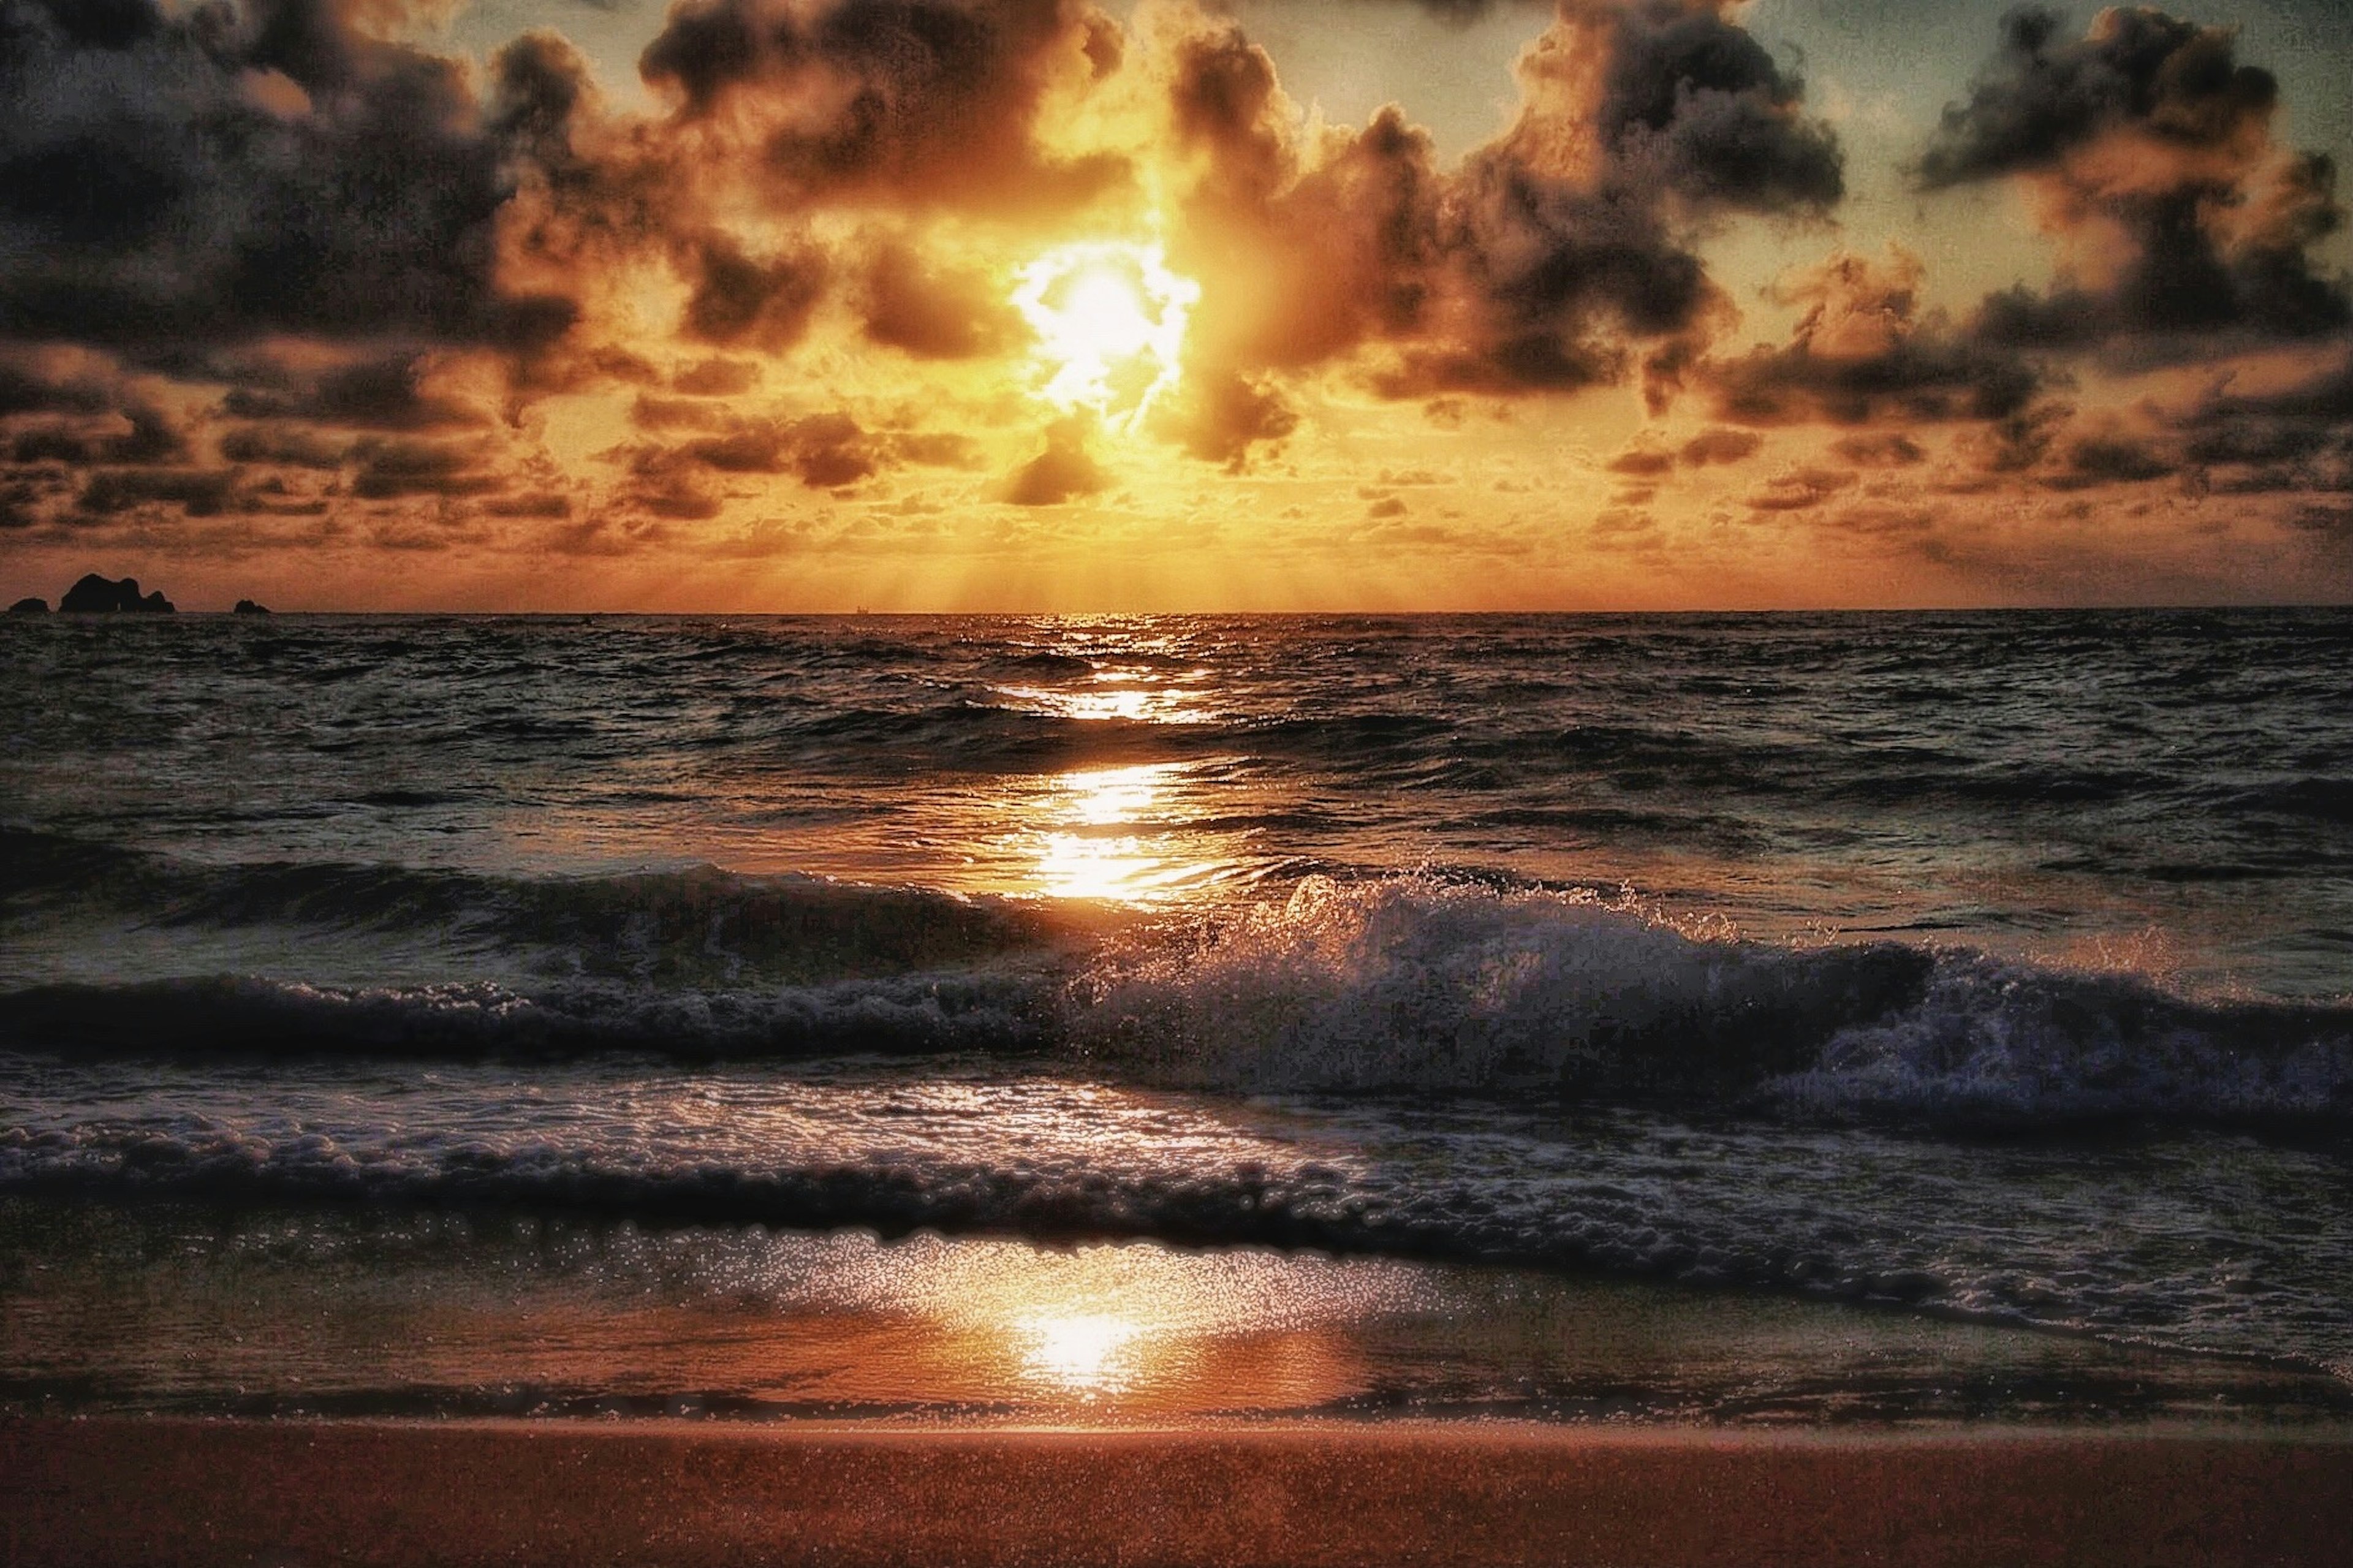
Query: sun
(1110, 321)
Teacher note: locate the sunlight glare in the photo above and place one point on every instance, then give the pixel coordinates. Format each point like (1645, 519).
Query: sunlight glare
(1110, 318)
(1090, 858)
(1081, 1352)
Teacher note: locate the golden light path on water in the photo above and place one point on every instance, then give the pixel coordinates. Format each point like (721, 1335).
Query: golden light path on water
(1126, 834)
(1134, 1325)
(1098, 844)
(1083, 1351)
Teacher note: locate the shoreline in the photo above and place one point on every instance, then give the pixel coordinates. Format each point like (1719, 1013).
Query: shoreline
(220, 1490)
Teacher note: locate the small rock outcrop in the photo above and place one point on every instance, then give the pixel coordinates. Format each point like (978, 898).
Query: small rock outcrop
(29, 607)
(97, 593)
(247, 607)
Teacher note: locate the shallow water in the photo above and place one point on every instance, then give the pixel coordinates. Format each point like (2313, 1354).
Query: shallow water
(334, 1314)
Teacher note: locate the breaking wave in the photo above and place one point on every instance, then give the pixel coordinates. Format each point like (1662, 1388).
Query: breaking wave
(1422, 984)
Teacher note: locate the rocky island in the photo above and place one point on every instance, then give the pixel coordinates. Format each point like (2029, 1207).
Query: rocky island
(97, 595)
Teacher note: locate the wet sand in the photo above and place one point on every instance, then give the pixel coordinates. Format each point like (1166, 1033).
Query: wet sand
(111, 1489)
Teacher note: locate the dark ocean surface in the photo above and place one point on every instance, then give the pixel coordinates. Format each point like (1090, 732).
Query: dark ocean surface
(1979, 969)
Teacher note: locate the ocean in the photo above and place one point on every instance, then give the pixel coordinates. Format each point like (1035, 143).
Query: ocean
(1778, 1016)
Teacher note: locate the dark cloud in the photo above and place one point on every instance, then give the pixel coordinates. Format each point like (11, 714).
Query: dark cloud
(2017, 441)
(66, 422)
(1879, 449)
(1561, 257)
(1572, 239)
(823, 451)
(196, 491)
(51, 443)
(1063, 472)
(931, 101)
(1720, 446)
(1642, 461)
(2137, 70)
(1692, 103)
(649, 412)
(2332, 523)
(211, 173)
(738, 300)
(2153, 146)
(1865, 351)
(1345, 253)
(390, 469)
(1799, 490)
(544, 505)
(2100, 461)
(2187, 275)
(283, 448)
(2324, 398)
(932, 314)
(1222, 417)
(2298, 437)
(1564, 285)
(31, 387)
(389, 393)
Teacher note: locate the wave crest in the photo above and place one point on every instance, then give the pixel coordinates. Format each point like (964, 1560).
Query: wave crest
(1422, 984)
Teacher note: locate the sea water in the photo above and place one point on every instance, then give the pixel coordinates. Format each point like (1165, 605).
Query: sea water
(1405, 998)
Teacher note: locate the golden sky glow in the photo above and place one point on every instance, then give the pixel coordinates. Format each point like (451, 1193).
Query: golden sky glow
(1033, 305)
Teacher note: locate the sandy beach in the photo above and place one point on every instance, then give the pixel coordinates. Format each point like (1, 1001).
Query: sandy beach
(119, 1490)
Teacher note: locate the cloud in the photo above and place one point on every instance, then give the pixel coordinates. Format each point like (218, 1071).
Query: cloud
(1799, 490)
(1690, 102)
(197, 493)
(1879, 449)
(390, 469)
(1063, 472)
(1642, 461)
(388, 393)
(932, 313)
(1572, 239)
(2111, 458)
(2137, 70)
(2151, 148)
(1562, 255)
(823, 451)
(1865, 351)
(932, 102)
(1720, 446)
(284, 448)
(738, 300)
(1219, 417)
(2296, 438)
(153, 192)
(718, 377)
(2330, 524)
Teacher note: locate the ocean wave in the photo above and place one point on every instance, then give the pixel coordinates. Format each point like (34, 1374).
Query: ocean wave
(695, 925)
(1431, 986)
(1982, 1231)
(1001, 1012)
(1431, 983)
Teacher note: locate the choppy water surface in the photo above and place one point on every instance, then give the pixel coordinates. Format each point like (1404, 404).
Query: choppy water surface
(1990, 965)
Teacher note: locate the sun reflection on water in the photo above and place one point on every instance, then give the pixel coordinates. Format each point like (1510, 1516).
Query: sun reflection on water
(1109, 835)
(1119, 1329)
(1086, 1353)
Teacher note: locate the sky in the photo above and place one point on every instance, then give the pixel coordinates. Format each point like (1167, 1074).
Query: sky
(1294, 305)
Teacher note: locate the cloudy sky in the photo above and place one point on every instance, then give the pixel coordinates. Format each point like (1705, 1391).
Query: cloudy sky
(1297, 304)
